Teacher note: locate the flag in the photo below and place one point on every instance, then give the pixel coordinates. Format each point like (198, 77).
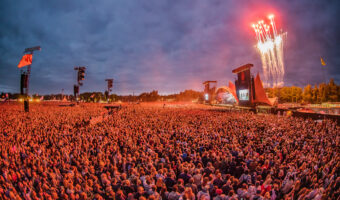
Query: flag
(323, 63)
(25, 60)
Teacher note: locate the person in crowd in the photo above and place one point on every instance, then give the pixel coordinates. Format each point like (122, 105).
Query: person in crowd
(146, 152)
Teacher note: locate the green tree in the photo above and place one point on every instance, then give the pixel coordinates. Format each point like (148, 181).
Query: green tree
(307, 94)
(332, 91)
(285, 94)
(188, 95)
(322, 93)
(152, 96)
(296, 93)
(270, 92)
(315, 94)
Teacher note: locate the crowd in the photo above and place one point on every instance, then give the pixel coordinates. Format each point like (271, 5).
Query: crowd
(151, 153)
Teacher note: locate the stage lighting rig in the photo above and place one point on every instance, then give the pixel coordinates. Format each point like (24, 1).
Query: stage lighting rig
(24, 80)
(109, 88)
(80, 77)
(81, 74)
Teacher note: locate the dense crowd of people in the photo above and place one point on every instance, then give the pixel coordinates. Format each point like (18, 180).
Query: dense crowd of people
(148, 152)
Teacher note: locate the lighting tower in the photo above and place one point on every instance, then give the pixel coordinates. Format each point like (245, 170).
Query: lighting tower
(209, 91)
(80, 78)
(24, 85)
(109, 88)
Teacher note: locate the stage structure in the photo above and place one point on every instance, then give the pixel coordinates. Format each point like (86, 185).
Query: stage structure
(209, 91)
(224, 95)
(249, 91)
(25, 74)
(244, 85)
(80, 77)
(109, 88)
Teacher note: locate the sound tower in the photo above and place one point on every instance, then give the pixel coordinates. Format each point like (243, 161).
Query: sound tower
(244, 85)
(209, 91)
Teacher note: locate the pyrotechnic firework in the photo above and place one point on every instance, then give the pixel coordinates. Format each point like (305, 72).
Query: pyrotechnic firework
(270, 46)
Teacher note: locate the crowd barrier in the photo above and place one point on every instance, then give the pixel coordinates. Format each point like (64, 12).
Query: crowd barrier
(283, 111)
(316, 116)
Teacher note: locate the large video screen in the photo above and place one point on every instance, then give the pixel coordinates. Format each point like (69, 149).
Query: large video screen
(244, 95)
(206, 96)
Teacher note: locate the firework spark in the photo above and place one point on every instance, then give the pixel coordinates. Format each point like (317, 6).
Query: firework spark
(270, 46)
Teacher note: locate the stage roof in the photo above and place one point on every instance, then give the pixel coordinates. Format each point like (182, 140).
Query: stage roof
(205, 82)
(242, 68)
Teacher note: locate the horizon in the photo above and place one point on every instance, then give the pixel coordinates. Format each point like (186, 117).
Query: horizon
(166, 94)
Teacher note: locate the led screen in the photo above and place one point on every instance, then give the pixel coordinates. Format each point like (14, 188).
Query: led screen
(206, 97)
(244, 95)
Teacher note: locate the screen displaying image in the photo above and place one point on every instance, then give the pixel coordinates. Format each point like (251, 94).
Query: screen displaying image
(206, 97)
(244, 95)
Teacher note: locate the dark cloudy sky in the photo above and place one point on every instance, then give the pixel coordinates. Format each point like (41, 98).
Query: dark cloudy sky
(157, 44)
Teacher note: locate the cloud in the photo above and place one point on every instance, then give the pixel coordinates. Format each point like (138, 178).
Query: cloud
(165, 45)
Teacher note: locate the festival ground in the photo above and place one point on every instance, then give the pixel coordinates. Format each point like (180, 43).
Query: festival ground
(156, 151)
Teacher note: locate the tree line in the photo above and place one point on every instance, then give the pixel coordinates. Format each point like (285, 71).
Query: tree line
(324, 92)
(187, 95)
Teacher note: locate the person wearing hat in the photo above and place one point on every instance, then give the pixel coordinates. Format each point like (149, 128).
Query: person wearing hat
(220, 195)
